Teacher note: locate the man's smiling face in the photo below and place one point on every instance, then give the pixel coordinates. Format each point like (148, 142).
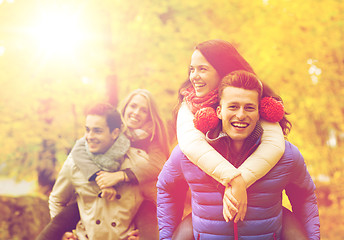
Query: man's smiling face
(98, 135)
(239, 113)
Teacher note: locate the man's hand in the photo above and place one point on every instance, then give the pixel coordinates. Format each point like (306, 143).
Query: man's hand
(69, 236)
(235, 200)
(109, 179)
(109, 193)
(134, 235)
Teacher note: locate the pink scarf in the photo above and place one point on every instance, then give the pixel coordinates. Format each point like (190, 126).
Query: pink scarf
(195, 103)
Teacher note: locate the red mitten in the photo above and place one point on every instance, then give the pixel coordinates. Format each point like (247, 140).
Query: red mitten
(271, 109)
(205, 119)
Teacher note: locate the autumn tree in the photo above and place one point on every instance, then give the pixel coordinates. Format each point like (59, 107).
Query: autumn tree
(294, 46)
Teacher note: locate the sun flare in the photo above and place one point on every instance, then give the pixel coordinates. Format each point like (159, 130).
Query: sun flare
(58, 31)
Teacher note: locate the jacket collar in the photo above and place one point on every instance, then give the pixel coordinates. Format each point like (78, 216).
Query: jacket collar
(217, 137)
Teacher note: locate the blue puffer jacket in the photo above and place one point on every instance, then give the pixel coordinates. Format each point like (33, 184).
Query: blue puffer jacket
(264, 210)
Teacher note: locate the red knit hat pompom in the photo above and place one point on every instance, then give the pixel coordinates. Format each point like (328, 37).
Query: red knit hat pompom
(205, 119)
(271, 109)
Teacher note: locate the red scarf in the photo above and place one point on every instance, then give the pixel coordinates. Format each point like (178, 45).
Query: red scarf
(195, 103)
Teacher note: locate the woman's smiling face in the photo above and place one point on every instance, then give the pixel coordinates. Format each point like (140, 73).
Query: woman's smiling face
(136, 113)
(203, 75)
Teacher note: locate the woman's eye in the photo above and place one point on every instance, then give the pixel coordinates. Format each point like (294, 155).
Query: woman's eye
(132, 106)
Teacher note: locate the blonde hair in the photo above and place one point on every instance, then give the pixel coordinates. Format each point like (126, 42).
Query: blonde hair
(159, 133)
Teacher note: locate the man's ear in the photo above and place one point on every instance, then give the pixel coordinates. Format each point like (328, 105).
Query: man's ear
(115, 133)
(218, 112)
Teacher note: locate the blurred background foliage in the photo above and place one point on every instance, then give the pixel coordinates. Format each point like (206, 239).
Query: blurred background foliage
(57, 57)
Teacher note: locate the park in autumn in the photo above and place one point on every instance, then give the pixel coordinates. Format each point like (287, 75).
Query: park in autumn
(58, 57)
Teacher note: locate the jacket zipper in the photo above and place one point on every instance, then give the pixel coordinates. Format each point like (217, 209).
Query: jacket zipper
(236, 236)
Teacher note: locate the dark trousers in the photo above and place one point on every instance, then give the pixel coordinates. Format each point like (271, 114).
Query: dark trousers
(65, 221)
(145, 220)
(291, 228)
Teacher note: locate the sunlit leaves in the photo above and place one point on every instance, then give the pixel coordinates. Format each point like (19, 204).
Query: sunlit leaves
(148, 44)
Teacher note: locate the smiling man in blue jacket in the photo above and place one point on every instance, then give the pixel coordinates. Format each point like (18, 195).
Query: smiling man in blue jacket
(236, 138)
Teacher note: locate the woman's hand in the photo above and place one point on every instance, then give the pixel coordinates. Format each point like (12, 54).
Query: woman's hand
(109, 179)
(235, 200)
(134, 235)
(69, 236)
(229, 204)
(109, 194)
